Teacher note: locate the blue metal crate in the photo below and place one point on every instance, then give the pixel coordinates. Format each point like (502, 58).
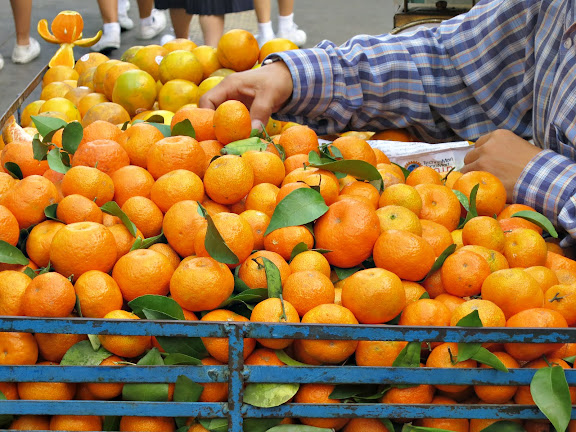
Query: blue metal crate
(237, 374)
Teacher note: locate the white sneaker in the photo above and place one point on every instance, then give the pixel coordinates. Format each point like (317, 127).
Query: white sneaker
(125, 21)
(1, 62)
(26, 53)
(166, 38)
(262, 39)
(108, 42)
(295, 35)
(158, 24)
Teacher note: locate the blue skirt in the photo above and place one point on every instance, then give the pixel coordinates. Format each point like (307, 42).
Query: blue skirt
(206, 7)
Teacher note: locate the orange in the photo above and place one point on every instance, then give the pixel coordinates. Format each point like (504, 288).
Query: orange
(423, 175)
(107, 111)
(101, 130)
(510, 224)
(149, 424)
(484, 231)
(142, 272)
(310, 260)
(525, 248)
(422, 394)
(534, 318)
(267, 167)
(298, 140)
(513, 290)
(202, 120)
(319, 394)
(77, 208)
(329, 187)
(106, 155)
(236, 233)
(30, 110)
(75, 422)
(238, 50)
(349, 229)
(112, 76)
(137, 141)
(89, 182)
(439, 204)
(402, 195)
(450, 301)
(491, 197)
(31, 422)
(180, 64)
(295, 161)
(391, 175)
(124, 346)
(374, 296)
(181, 224)
(144, 214)
(273, 310)
(53, 346)
(511, 209)
(262, 197)
(286, 188)
(6, 183)
(177, 93)
(211, 149)
(554, 247)
(426, 312)
(364, 190)
(88, 61)
(28, 198)
(283, 240)
(407, 255)
(556, 262)
(9, 229)
(89, 100)
(332, 351)
(201, 283)
(436, 235)
(213, 392)
(228, 179)
(253, 273)
(413, 291)
(498, 394)
(355, 148)
(208, 58)
(175, 186)
(168, 252)
(18, 349)
(264, 357)
(148, 58)
(179, 44)
(308, 289)
(490, 314)
(463, 273)
(452, 424)
(46, 390)
(21, 153)
(179, 152)
(365, 425)
(48, 295)
(259, 222)
(395, 217)
(524, 394)
(495, 260)
(82, 246)
(380, 156)
(561, 298)
(99, 76)
(232, 122)
(218, 347)
(12, 287)
(444, 356)
(98, 293)
(124, 240)
(393, 135)
(131, 181)
(300, 174)
(275, 45)
(378, 353)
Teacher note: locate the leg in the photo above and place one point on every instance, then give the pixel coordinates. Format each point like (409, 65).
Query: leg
(111, 29)
(181, 22)
(285, 7)
(22, 10)
(263, 10)
(145, 8)
(152, 21)
(212, 28)
(286, 27)
(108, 10)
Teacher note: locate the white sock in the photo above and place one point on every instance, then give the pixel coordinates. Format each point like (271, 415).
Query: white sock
(111, 28)
(285, 23)
(265, 29)
(145, 22)
(122, 7)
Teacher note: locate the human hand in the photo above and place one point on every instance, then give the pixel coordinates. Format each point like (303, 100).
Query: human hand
(264, 91)
(503, 154)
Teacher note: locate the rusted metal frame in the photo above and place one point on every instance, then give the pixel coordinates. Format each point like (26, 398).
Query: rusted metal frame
(236, 377)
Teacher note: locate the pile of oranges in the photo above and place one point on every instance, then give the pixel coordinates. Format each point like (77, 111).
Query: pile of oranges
(368, 258)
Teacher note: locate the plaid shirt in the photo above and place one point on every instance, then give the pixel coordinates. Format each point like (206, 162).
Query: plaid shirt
(506, 64)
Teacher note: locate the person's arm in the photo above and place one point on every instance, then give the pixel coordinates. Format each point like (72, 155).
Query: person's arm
(462, 80)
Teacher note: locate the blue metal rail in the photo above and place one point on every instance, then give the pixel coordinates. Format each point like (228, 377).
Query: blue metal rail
(237, 374)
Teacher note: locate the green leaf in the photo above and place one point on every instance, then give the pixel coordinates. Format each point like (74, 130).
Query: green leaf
(125, 126)
(114, 209)
(181, 359)
(163, 304)
(242, 146)
(5, 419)
(297, 208)
(94, 341)
(272, 279)
(30, 273)
(50, 212)
(440, 260)
(285, 358)
(56, 162)
(549, 390)
(147, 391)
(111, 423)
(190, 346)
(299, 248)
(348, 391)
(570, 359)
(215, 425)
(425, 295)
(72, 136)
(146, 243)
(82, 354)
(344, 273)
(463, 199)
(216, 246)
(298, 428)
(410, 428)
(165, 129)
(404, 170)
(472, 212)
(184, 128)
(388, 425)
(156, 118)
(409, 356)
(538, 219)
(470, 320)
(486, 357)
(11, 254)
(504, 426)
(240, 285)
(45, 125)
(265, 395)
(467, 350)
(186, 390)
(356, 168)
(39, 149)
(14, 170)
(247, 296)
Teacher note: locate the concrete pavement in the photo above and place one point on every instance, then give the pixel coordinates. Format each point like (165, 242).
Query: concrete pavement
(335, 20)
